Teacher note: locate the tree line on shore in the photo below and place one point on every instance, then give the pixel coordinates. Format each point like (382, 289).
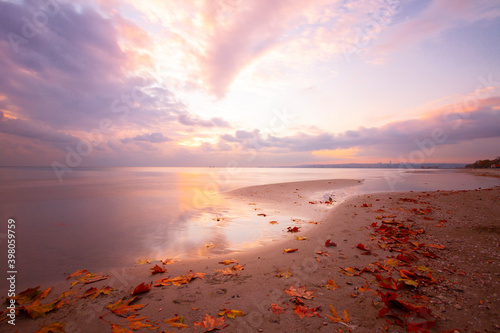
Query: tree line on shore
(485, 164)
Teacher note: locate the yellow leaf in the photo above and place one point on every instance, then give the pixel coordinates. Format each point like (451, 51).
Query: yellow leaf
(300, 238)
(331, 285)
(144, 261)
(410, 282)
(36, 309)
(231, 313)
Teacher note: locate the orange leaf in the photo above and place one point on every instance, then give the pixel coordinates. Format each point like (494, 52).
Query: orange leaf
(177, 281)
(303, 311)
(36, 310)
(123, 307)
(388, 283)
(211, 323)
(77, 273)
(177, 322)
(273, 222)
(231, 313)
(92, 293)
(300, 292)
(227, 262)
(169, 261)
(277, 309)
(323, 253)
(286, 274)
(28, 296)
(157, 269)
(237, 268)
(142, 288)
(331, 285)
(290, 250)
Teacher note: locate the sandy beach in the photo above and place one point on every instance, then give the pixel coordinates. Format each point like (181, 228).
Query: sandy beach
(394, 262)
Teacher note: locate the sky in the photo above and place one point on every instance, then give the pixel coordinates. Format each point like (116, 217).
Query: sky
(232, 83)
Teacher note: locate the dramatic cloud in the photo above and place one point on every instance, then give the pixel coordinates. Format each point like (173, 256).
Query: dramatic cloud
(190, 120)
(30, 130)
(196, 82)
(442, 128)
(149, 137)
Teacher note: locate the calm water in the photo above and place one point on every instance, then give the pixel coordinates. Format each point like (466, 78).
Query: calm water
(101, 217)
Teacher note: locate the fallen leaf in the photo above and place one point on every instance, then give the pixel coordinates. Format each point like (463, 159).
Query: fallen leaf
(55, 327)
(324, 253)
(300, 292)
(144, 261)
(77, 273)
(211, 323)
(89, 278)
(142, 288)
(329, 243)
(118, 329)
(122, 307)
(304, 311)
(410, 282)
(366, 205)
(273, 222)
(178, 280)
(136, 323)
(336, 318)
(92, 293)
(36, 310)
(388, 283)
(231, 313)
(157, 269)
(237, 267)
(226, 272)
(285, 274)
(436, 246)
(277, 309)
(294, 229)
(363, 247)
(177, 322)
(349, 271)
(261, 214)
(227, 262)
(169, 261)
(290, 250)
(28, 296)
(331, 285)
(300, 238)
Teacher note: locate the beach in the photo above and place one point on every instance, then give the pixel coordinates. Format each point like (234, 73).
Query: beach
(394, 261)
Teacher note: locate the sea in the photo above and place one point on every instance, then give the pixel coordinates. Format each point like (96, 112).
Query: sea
(95, 218)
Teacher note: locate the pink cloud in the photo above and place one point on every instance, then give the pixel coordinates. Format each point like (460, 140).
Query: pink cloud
(252, 32)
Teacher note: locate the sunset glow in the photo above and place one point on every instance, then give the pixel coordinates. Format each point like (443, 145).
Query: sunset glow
(262, 83)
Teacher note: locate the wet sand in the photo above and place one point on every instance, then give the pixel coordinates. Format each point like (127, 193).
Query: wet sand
(449, 242)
